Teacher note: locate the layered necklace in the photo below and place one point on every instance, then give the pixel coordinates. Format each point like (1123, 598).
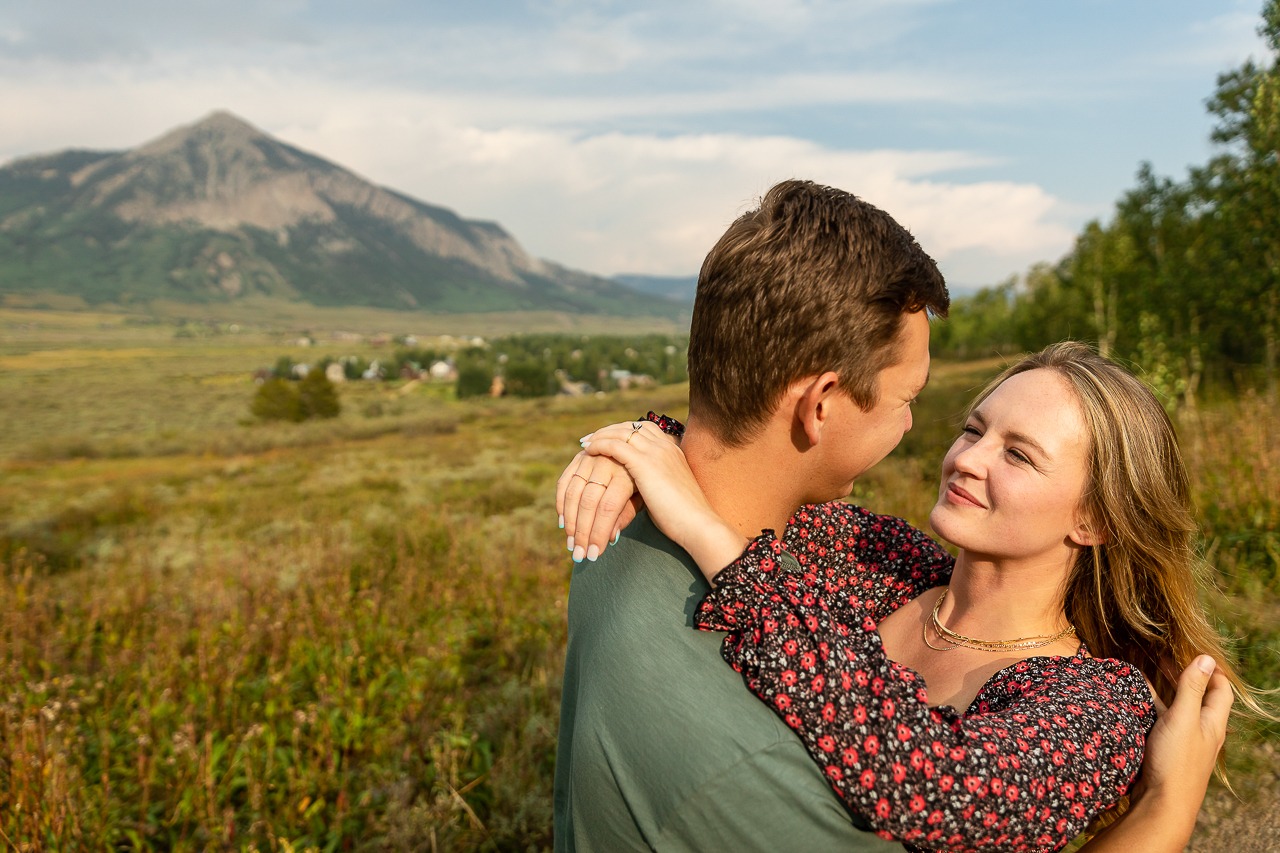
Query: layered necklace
(956, 640)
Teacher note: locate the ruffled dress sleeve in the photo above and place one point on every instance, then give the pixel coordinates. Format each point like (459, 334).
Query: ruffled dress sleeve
(1047, 744)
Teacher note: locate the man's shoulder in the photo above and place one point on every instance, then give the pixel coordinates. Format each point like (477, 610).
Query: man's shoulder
(643, 579)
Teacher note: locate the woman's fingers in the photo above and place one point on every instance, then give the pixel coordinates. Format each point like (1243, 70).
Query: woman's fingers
(628, 431)
(629, 513)
(562, 484)
(579, 479)
(596, 478)
(612, 503)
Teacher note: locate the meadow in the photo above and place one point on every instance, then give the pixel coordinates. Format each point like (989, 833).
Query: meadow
(217, 634)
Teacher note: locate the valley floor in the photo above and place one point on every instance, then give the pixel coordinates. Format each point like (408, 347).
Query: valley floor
(219, 634)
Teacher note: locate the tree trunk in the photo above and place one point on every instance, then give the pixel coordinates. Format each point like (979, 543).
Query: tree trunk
(1194, 367)
(1269, 351)
(1104, 316)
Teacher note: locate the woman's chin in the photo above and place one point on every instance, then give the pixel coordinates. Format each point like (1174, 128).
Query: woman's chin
(943, 524)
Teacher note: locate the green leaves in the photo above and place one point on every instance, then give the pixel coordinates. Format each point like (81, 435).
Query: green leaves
(1184, 280)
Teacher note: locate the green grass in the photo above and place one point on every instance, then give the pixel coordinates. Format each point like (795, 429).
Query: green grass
(348, 635)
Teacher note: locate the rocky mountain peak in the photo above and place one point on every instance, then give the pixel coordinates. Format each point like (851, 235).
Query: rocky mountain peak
(220, 209)
(218, 131)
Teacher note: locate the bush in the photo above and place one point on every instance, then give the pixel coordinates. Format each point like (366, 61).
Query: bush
(318, 397)
(314, 397)
(474, 381)
(530, 379)
(277, 400)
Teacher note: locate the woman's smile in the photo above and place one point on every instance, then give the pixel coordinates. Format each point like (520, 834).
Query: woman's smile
(958, 495)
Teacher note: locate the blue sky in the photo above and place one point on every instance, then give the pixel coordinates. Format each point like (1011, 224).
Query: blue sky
(623, 137)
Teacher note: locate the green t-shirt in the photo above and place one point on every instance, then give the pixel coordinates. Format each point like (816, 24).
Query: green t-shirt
(662, 747)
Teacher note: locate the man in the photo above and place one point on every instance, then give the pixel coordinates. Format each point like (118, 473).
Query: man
(808, 344)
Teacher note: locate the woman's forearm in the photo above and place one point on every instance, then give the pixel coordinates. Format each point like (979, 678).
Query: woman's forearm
(1153, 824)
(712, 542)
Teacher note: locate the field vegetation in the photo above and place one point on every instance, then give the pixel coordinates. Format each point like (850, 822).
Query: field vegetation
(220, 634)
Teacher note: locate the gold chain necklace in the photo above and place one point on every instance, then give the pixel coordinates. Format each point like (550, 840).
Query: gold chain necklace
(956, 640)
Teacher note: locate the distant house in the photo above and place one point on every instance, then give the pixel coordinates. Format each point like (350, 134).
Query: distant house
(300, 371)
(570, 388)
(335, 373)
(626, 379)
(444, 370)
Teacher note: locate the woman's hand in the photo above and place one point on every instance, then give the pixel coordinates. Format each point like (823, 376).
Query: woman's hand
(596, 499)
(671, 494)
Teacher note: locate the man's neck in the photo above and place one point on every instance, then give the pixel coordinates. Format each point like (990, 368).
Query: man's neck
(742, 484)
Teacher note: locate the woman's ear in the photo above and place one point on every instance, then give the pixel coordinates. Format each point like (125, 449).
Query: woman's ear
(1086, 533)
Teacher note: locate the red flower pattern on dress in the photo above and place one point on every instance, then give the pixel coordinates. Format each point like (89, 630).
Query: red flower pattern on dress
(1046, 744)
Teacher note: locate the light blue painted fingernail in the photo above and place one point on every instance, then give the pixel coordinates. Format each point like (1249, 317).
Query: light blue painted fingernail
(593, 553)
(616, 537)
(562, 522)
(569, 547)
(578, 554)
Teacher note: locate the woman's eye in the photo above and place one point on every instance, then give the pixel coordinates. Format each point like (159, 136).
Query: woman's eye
(969, 430)
(1019, 456)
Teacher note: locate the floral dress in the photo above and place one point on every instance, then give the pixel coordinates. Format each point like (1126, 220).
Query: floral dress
(1046, 744)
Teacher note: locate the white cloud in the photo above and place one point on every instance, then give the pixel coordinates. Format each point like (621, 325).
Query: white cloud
(610, 202)
(618, 202)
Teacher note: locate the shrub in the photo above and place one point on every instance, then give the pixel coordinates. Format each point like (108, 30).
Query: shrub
(474, 380)
(313, 397)
(318, 397)
(277, 400)
(530, 379)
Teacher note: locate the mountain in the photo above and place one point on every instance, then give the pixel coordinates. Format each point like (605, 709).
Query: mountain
(219, 210)
(680, 288)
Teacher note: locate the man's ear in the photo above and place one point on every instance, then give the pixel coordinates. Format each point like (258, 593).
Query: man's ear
(814, 405)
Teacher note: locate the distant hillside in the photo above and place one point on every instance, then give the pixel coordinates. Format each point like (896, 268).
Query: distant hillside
(219, 211)
(679, 288)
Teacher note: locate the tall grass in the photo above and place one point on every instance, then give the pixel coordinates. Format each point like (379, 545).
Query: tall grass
(344, 637)
(323, 689)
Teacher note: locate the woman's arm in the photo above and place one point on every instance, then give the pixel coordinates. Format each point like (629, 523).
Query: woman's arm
(1054, 745)
(1180, 756)
(862, 560)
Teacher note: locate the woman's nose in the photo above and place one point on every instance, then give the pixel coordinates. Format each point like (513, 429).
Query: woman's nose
(971, 460)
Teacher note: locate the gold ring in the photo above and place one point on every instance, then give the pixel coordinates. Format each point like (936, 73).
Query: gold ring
(635, 428)
(598, 483)
(576, 474)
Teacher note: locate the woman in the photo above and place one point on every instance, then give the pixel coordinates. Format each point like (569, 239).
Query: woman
(1068, 500)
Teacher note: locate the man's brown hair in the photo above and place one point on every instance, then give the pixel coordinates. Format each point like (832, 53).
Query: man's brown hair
(813, 280)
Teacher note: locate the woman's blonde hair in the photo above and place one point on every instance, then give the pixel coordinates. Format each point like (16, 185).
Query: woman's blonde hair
(1135, 596)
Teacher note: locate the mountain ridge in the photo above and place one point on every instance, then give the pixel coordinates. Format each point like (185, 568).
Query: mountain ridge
(219, 210)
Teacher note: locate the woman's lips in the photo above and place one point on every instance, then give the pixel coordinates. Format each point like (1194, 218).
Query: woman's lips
(960, 496)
